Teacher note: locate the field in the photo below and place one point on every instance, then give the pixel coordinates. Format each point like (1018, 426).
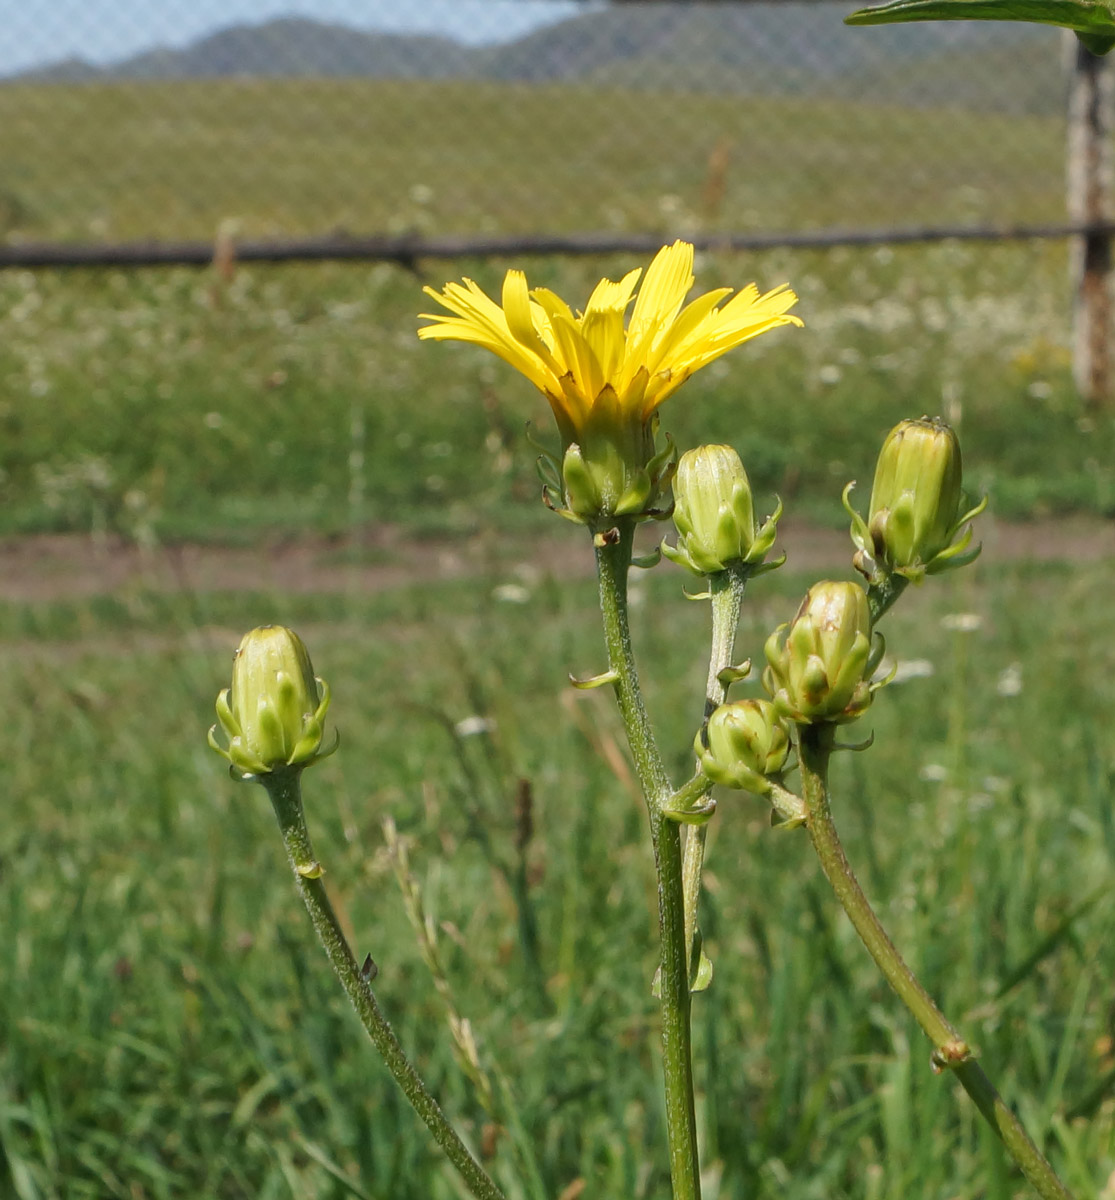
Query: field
(167, 1026)
(276, 157)
(165, 404)
(169, 1029)
(181, 404)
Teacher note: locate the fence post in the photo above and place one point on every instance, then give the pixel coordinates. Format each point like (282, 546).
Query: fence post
(1088, 175)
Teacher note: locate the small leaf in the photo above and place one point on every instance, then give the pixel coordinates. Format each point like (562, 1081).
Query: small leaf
(1092, 18)
(702, 977)
(593, 681)
(699, 814)
(699, 980)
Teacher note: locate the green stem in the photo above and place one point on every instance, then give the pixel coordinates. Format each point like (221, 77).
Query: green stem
(882, 595)
(613, 559)
(950, 1050)
(285, 790)
(726, 592)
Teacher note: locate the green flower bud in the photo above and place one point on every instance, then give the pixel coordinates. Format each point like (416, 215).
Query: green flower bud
(743, 744)
(916, 505)
(714, 514)
(820, 670)
(274, 713)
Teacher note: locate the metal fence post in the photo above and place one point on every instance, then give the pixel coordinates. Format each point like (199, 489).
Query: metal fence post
(1088, 173)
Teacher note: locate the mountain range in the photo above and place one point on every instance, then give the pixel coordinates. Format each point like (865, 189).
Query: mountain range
(780, 47)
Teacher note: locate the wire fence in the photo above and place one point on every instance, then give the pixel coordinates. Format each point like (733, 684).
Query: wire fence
(216, 131)
(503, 119)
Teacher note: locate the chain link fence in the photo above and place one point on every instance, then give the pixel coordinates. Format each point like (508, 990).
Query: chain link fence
(123, 121)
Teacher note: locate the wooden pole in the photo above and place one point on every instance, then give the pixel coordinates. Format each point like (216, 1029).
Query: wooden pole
(1088, 173)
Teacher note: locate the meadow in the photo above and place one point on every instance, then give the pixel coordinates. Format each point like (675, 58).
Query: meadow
(184, 404)
(299, 399)
(170, 1030)
(167, 1026)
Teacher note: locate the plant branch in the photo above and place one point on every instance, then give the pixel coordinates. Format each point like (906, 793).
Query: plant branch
(613, 560)
(285, 790)
(726, 593)
(950, 1051)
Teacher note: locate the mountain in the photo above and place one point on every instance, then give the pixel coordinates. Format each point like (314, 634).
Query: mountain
(287, 46)
(778, 47)
(674, 44)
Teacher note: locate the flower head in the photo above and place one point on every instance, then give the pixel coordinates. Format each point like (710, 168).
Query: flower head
(743, 745)
(714, 514)
(274, 713)
(576, 359)
(918, 522)
(820, 667)
(604, 372)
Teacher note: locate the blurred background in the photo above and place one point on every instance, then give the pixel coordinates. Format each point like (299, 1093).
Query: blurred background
(496, 131)
(125, 121)
(216, 222)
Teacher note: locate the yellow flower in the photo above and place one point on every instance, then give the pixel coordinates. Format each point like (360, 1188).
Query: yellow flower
(581, 361)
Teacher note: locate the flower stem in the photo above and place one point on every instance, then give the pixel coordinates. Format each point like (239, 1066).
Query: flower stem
(285, 790)
(882, 595)
(613, 559)
(726, 593)
(950, 1052)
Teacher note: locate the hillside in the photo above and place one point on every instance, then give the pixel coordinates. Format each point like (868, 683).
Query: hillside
(764, 48)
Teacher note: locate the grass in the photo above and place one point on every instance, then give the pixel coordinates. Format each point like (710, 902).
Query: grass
(298, 399)
(167, 1027)
(177, 159)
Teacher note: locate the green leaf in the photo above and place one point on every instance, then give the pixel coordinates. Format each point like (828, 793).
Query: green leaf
(702, 976)
(1094, 19)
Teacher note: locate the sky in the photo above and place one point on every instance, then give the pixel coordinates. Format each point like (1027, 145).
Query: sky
(33, 32)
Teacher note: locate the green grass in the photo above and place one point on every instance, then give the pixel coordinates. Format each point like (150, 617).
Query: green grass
(168, 1028)
(176, 159)
(300, 399)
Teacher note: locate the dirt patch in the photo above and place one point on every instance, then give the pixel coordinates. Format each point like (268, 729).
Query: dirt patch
(71, 566)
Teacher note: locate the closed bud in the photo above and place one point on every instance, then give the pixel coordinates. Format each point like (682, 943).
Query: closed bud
(743, 744)
(274, 712)
(714, 514)
(819, 669)
(917, 505)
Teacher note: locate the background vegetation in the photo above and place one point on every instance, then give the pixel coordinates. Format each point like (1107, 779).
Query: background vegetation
(299, 399)
(167, 1028)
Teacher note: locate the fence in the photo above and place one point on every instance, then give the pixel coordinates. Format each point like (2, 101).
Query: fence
(753, 119)
(489, 126)
(550, 126)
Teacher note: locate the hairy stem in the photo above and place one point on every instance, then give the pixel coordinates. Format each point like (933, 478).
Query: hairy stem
(285, 790)
(726, 593)
(613, 560)
(950, 1052)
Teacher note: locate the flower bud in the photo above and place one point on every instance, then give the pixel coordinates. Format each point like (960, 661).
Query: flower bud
(714, 515)
(820, 670)
(274, 713)
(916, 505)
(743, 743)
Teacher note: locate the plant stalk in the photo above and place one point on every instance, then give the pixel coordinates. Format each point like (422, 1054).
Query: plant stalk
(613, 560)
(726, 593)
(881, 596)
(285, 790)
(950, 1051)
